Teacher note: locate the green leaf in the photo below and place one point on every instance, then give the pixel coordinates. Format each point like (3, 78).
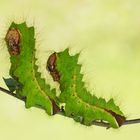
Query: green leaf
(80, 104)
(25, 71)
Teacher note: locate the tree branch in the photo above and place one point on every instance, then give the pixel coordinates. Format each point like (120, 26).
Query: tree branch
(97, 123)
(107, 125)
(11, 93)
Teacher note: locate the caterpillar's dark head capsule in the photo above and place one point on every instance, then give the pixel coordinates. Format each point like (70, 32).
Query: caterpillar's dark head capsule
(52, 68)
(13, 39)
(51, 62)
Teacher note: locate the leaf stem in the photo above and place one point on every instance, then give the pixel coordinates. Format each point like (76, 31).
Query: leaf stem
(97, 123)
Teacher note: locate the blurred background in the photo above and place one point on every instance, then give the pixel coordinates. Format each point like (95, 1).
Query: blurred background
(106, 32)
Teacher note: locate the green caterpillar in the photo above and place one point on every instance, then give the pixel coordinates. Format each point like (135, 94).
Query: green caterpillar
(24, 70)
(79, 103)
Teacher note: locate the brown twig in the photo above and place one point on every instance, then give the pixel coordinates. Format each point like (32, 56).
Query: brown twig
(11, 93)
(101, 123)
(107, 125)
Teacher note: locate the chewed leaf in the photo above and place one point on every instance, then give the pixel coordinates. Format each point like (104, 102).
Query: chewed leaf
(25, 71)
(12, 84)
(80, 104)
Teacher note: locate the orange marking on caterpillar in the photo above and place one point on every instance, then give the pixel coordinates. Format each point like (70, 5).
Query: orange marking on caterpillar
(52, 68)
(13, 39)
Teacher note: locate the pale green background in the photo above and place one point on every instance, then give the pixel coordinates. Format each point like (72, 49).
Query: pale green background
(107, 32)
